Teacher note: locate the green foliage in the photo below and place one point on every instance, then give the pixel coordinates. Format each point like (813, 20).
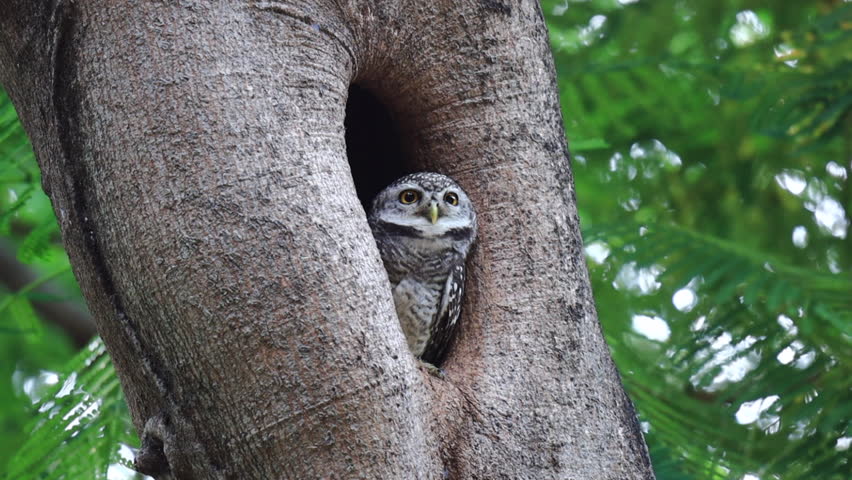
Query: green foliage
(711, 159)
(82, 424)
(748, 330)
(51, 426)
(716, 223)
(25, 363)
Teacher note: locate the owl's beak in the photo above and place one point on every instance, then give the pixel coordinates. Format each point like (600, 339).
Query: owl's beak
(433, 212)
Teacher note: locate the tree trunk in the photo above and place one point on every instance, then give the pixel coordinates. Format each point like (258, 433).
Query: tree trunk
(196, 158)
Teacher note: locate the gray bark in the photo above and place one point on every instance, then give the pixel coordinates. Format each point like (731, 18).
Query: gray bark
(194, 152)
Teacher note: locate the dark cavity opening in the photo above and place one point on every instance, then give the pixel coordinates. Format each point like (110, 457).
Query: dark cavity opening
(372, 144)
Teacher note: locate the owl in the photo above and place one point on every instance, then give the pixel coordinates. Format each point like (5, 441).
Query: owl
(424, 225)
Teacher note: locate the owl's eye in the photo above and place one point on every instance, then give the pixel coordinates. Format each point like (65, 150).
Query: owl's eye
(408, 197)
(451, 198)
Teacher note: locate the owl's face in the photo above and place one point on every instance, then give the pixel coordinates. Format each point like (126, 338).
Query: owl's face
(431, 204)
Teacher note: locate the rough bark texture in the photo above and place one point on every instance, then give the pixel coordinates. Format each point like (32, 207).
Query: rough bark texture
(195, 155)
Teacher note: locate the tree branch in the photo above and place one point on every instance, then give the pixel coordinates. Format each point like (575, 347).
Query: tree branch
(69, 316)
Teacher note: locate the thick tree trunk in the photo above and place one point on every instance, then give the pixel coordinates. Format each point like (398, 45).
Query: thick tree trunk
(195, 155)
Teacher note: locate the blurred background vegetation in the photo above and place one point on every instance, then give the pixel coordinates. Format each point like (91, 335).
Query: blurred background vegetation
(711, 147)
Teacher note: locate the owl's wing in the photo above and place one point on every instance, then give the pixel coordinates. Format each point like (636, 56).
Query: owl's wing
(447, 318)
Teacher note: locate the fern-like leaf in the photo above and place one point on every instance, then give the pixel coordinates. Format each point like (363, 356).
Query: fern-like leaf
(81, 425)
(784, 326)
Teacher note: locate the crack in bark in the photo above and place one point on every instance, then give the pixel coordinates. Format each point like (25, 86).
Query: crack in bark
(498, 7)
(309, 408)
(280, 9)
(67, 102)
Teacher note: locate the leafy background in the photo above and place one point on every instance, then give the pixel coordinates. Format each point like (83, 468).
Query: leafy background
(711, 150)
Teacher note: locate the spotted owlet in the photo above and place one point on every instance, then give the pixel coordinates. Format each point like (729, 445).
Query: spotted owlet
(424, 225)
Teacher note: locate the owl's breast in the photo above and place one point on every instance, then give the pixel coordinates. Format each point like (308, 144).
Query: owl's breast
(423, 259)
(417, 303)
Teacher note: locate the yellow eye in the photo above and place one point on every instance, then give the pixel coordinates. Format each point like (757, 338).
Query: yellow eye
(451, 198)
(408, 197)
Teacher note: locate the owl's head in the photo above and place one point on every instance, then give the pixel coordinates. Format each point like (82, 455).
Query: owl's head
(429, 204)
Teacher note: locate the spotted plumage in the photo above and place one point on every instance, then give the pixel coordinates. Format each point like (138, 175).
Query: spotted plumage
(425, 225)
